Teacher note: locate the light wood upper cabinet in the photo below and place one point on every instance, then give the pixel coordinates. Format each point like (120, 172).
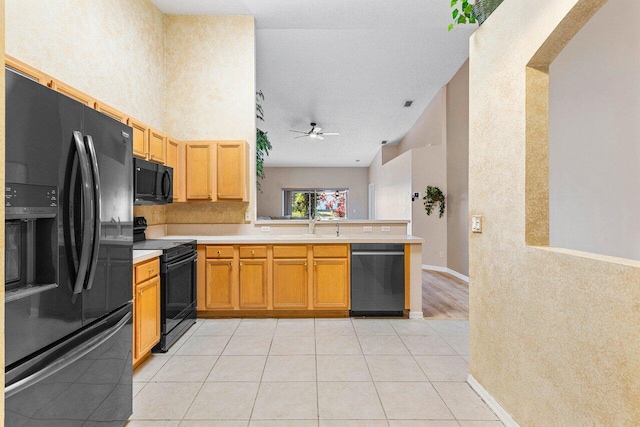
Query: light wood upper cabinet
(232, 170)
(111, 112)
(220, 284)
(157, 146)
(27, 70)
(73, 93)
(331, 284)
(253, 284)
(173, 160)
(290, 284)
(140, 138)
(198, 173)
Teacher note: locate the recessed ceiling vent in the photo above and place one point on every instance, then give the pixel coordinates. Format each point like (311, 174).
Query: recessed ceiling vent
(384, 142)
(408, 104)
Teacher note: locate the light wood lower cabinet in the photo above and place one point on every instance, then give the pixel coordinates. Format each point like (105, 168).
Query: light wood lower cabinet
(221, 285)
(253, 284)
(290, 284)
(146, 308)
(331, 284)
(281, 278)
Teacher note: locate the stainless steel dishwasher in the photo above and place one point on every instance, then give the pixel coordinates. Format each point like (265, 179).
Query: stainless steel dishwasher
(377, 279)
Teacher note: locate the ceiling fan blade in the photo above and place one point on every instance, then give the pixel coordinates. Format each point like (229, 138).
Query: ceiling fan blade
(297, 131)
(331, 133)
(301, 136)
(320, 138)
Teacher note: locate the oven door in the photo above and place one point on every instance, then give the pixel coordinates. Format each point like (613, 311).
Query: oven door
(178, 296)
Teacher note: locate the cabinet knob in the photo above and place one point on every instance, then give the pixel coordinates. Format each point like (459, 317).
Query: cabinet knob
(315, 263)
(240, 264)
(218, 252)
(230, 264)
(150, 270)
(252, 252)
(305, 263)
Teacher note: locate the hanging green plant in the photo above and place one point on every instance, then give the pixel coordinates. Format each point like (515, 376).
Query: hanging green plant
(433, 196)
(469, 12)
(263, 145)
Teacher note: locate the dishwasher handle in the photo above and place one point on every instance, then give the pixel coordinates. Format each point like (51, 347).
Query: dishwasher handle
(372, 253)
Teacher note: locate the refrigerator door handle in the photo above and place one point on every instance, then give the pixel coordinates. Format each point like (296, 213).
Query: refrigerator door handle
(67, 359)
(88, 222)
(91, 150)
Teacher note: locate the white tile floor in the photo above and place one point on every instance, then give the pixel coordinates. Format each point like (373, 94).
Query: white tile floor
(306, 372)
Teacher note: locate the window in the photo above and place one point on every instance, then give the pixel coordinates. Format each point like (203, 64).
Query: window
(317, 203)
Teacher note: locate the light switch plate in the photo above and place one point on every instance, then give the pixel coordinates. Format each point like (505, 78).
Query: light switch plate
(476, 224)
(247, 216)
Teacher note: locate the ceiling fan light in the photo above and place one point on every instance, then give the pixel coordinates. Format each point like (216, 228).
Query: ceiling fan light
(313, 135)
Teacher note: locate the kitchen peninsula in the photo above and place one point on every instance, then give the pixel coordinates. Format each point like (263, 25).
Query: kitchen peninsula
(290, 272)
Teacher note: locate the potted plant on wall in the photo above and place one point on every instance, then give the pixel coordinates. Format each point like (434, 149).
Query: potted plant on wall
(432, 197)
(466, 12)
(263, 145)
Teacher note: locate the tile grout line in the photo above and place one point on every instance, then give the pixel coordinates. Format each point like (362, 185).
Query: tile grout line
(384, 411)
(264, 368)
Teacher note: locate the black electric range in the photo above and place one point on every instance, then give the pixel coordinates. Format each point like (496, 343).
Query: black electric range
(178, 266)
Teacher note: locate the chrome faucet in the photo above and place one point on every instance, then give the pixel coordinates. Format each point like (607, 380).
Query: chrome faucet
(337, 229)
(312, 224)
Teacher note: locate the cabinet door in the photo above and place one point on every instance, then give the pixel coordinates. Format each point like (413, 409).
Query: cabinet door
(173, 147)
(220, 285)
(140, 136)
(111, 112)
(26, 70)
(147, 315)
(290, 283)
(198, 171)
(253, 283)
(72, 93)
(157, 147)
(331, 283)
(231, 170)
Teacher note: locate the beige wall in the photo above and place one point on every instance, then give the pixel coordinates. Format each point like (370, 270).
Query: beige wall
(354, 179)
(430, 128)
(594, 135)
(119, 60)
(554, 333)
(210, 81)
(457, 131)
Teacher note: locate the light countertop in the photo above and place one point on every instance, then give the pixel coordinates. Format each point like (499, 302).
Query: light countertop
(139, 256)
(275, 239)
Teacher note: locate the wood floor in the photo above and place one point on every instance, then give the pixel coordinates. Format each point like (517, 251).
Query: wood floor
(444, 296)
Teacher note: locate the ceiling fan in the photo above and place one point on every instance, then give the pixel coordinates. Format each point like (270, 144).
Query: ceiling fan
(314, 133)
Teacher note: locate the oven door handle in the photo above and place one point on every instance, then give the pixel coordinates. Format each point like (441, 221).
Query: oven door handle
(174, 265)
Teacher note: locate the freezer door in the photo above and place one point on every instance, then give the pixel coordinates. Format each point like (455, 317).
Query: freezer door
(109, 148)
(84, 380)
(39, 151)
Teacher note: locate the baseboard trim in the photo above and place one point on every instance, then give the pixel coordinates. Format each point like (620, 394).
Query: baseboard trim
(416, 315)
(446, 270)
(502, 414)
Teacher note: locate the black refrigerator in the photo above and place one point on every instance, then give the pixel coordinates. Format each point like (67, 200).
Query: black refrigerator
(68, 247)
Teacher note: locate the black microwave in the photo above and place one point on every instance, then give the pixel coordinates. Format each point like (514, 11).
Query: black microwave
(152, 183)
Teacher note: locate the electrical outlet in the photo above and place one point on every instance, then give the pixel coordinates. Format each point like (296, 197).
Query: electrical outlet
(247, 216)
(265, 229)
(441, 254)
(367, 229)
(385, 228)
(476, 224)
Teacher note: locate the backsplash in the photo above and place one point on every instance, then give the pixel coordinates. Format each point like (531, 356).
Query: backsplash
(206, 213)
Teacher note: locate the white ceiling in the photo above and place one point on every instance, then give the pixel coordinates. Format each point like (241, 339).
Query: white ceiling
(347, 65)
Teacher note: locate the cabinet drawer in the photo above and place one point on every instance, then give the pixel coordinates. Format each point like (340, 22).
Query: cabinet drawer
(253, 251)
(329, 251)
(146, 270)
(219, 252)
(299, 251)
